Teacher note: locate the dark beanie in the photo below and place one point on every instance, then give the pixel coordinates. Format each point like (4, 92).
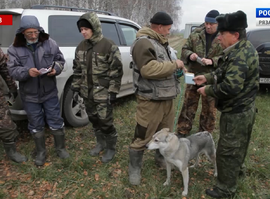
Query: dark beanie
(211, 16)
(161, 18)
(84, 23)
(232, 22)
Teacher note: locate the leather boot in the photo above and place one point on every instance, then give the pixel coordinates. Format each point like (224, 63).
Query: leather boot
(59, 143)
(39, 139)
(101, 144)
(160, 159)
(11, 152)
(135, 166)
(110, 148)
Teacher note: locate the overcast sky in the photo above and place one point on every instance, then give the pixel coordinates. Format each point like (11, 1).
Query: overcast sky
(195, 10)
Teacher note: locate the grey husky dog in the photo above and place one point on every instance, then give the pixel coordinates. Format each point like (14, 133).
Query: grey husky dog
(178, 152)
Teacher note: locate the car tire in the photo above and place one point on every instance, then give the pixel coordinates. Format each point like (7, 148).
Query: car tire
(73, 112)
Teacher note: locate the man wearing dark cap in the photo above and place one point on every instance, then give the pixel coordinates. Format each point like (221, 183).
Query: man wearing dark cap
(156, 85)
(97, 75)
(201, 43)
(33, 51)
(234, 85)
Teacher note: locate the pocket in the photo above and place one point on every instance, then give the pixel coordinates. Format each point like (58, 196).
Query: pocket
(23, 59)
(100, 94)
(100, 64)
(48, 58)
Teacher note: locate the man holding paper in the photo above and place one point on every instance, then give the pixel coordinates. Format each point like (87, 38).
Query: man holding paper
(200, 53)
(35, 60)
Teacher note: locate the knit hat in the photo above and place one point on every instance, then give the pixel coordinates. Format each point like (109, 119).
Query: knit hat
(161, 18)
(232, 22)
(211, 16)
(84, 23)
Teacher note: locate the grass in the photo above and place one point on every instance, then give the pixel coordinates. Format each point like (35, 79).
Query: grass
(82, 176)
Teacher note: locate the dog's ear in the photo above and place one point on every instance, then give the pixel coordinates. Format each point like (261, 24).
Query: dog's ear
(169, 137)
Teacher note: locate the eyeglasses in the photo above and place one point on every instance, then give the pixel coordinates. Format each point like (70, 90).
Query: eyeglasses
(32, 33)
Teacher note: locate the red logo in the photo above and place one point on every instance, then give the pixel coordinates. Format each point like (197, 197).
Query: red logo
(5, 19)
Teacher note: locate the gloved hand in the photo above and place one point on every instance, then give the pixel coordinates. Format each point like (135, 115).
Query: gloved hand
(12, 97)
(76, 96)
(112, 97)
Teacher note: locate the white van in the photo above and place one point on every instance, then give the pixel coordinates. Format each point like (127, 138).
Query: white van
(190, 27)
(61, 23)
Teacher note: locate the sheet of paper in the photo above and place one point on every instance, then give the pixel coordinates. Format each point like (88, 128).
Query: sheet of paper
(45, 70)
(189, 78)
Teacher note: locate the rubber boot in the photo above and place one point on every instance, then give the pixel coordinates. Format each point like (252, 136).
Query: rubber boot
(135, 166)
(59, 143)
(110, 148)
(39, 139)
(10, 148)
(160, 159)
(101, 144)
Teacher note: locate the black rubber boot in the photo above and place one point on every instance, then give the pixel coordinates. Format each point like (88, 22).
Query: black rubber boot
(110, 148)
(135, 166)
(40, 148)
(160, 162)
(59, 143)
(10, 148)
(101, 144)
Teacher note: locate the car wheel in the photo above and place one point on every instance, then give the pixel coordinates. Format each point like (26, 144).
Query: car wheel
(74, 112)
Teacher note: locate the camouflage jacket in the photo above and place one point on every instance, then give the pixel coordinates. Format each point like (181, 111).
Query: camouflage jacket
(97, 66)
(196, 43)
(5, 75)
(237, 78)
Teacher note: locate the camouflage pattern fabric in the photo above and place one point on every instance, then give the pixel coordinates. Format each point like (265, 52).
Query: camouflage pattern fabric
(237, 78)
(97, 66)
(189, 109)
(8, 130)
(196, 43)
(235, 132)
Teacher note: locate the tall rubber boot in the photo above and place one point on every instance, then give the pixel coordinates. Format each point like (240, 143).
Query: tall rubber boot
(110, 148)
(101, 144)
(39, 139)
(59, 143)
(135, 166)
(11, 152)
(160, 159)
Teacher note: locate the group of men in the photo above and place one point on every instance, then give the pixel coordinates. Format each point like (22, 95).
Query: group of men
(227, 79)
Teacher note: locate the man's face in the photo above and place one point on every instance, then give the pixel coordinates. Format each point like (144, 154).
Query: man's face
(86, 32)
(164, 30)
(31, 34)
(210, 28)
(227, 39)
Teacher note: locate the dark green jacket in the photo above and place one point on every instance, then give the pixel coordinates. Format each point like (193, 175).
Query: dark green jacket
(97, 66)
(196, 43)
(237, 78)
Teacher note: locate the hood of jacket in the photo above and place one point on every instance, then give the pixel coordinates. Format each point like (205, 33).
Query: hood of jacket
(93, 19)
(26, 23)
(146, 31)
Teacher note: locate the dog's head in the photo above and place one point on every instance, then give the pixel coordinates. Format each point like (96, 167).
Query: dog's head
(160, 139)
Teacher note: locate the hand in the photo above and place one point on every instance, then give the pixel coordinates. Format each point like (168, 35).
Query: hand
(33, 72)
(193, 57)
(112, 97)
(207, 61)
(52, 73)
(180, 65)
(13, 96)
(199, 80)
(76, 96)
(201, 91)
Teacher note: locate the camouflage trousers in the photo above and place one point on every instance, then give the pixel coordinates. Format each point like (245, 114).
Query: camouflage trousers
(189, 109)
(8, 131)
(235, 132)
(100, 115)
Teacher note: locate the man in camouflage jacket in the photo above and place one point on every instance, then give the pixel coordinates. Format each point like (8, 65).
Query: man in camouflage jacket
(97, 78)
(201, 43)
(8, 132)
(234, 85)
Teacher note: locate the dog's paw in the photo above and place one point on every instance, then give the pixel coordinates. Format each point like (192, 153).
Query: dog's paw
(184, 193)
(166, 183)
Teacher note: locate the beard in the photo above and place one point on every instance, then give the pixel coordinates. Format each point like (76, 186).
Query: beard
(29, 42)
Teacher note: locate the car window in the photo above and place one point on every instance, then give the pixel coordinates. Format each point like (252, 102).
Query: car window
(259, 37)
(109, 31)
(63, 29)
(7, 32)
(129, 33)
